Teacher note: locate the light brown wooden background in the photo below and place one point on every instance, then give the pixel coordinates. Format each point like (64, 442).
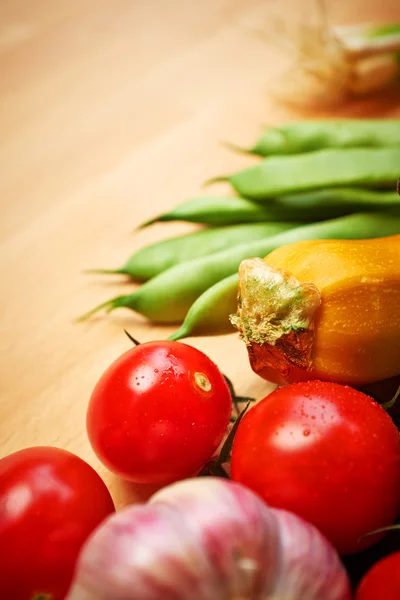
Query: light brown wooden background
(112, 111)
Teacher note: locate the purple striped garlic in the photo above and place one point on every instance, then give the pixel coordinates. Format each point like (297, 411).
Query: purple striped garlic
(208, 539)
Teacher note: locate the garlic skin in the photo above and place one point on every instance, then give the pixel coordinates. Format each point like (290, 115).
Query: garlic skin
(235, 530)
(208, 539)
(309, 568)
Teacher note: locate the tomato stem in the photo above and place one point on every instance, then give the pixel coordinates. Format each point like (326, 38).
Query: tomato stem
(394, 527)
(215, 466)
(392, 402)
(233, 395)
(218, 470)
(225, 454)
(236, 400)
(134, 341)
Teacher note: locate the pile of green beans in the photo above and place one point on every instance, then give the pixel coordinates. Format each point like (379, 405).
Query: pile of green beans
(156, 258)
(315, 180)
(210, 312)
(167, 297)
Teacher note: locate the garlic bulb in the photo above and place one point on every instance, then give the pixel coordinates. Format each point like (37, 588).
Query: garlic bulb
(208, 539)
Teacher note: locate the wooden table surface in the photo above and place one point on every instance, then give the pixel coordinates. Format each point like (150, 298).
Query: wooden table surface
(111, 112)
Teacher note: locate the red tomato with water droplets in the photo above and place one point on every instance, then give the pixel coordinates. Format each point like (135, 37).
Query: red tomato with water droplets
(327, 453)
(159, 412)
(382, 580)
(50, 502)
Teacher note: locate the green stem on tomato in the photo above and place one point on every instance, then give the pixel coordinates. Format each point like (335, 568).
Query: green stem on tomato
(394, 527)
(215, 466)
(233, 394)
(218, 470)
(392, 402)
(236, 400)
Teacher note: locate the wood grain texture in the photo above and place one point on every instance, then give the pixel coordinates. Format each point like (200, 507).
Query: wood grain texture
(111, 112)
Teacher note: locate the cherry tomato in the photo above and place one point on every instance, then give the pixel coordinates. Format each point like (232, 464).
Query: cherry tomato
(50, 501)
(382, 580)
(327, 453)
(158, 413)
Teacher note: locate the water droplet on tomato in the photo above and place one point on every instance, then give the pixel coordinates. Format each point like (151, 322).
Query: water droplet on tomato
(306, 432)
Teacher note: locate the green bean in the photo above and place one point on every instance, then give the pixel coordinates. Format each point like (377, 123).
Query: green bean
(156, 258)
(216, 210)
(281, 175)
(328, 203)
(306, 136)
(167, 297)
(303, 207)
(210, 312)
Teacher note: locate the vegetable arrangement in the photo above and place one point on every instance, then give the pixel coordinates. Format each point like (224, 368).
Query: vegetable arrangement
(315, 466)
(322, 308)
(323, 179)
